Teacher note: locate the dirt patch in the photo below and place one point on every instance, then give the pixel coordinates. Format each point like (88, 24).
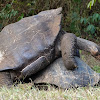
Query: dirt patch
(90, 60)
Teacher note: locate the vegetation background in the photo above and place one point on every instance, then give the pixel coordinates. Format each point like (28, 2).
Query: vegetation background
(81, 17)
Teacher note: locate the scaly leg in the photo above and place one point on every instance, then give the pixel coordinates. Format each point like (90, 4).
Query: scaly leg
(69, 50)
(89, 46)
(34, 67)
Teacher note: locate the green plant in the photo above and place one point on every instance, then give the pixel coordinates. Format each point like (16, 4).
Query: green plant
(96, 68)
(74, 25)
(20, 17)
(6, 15)
(91, 23)
(91, 3)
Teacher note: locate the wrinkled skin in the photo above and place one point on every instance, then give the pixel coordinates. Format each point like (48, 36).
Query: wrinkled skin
(33, 43)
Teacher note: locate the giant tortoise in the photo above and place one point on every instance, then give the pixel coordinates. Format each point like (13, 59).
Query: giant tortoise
(32, 44)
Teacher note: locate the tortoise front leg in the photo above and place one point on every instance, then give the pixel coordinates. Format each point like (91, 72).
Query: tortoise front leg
(34, 67)
(89, 46)
(5, 79)
(69, 50)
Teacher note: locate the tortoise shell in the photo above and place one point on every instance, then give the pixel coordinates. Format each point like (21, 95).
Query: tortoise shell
(28, 39)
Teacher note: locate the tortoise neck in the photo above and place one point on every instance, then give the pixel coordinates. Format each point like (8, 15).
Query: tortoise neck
(58, 43)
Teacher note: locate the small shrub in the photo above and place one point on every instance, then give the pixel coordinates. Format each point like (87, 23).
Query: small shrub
(91, 24)
(6, 14)
(97, 69)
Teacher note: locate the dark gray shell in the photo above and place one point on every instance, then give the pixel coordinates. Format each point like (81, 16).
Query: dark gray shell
(28, 39)
(58, 75)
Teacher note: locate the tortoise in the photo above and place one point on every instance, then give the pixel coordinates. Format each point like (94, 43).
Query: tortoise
(33, 43)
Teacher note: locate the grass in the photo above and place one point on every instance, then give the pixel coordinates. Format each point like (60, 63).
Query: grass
(24, 92)
(29, 92)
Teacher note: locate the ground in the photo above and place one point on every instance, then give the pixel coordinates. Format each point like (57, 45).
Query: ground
(91, 61)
